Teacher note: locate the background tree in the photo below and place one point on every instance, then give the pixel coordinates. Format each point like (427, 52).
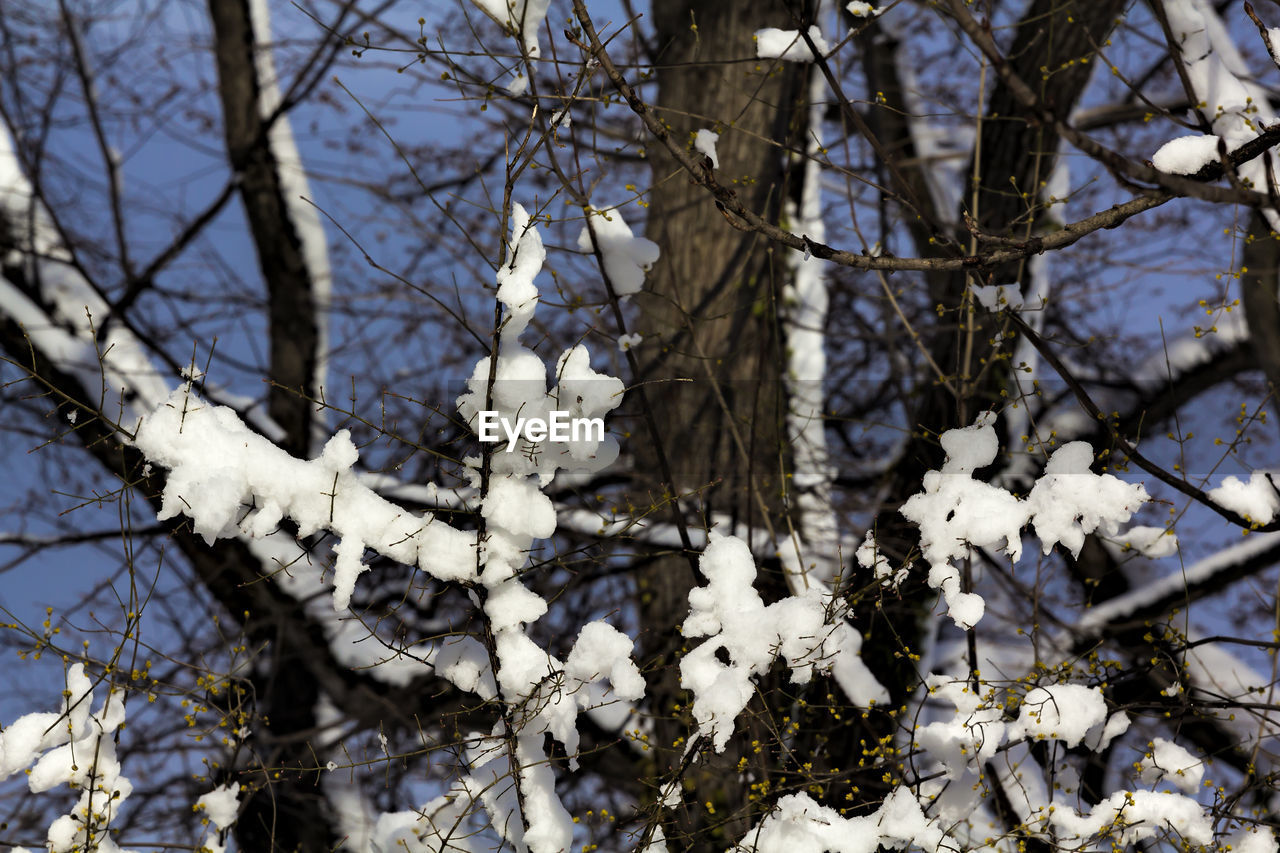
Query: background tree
(910, 218)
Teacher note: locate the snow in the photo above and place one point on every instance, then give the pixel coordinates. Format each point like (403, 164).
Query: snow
(70, 333)
(1154, 543)
(1273, 44)
(1166, 760)
(353, 813)
(626, 257)
(998, 297)
(773, 43)
(799, 825)
(1198, 574)
(221, 805)
(1235, 105)
(543, 695)
(524, 18)
(433, 828)
(218, 466)
(1185, 354)
(730, 613)
(1117, 724)
(805, 300)
(1252, 839)
(1211, 671)
(942, 149)
(955, 512)
(704, 141)
(967, 740)
(521, 512)
(1186, 155)
(233, 482)
(1070, 501)
(76, 749)
(869, 557)
(516, 290)
(602, 651)
(1127, 817)
(22, 742)
(1064, 712)
(1255, 499)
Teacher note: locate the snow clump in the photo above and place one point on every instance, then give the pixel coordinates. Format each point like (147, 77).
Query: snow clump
(1186, 155)
(626, 257)
(704, 141)
(773, 43)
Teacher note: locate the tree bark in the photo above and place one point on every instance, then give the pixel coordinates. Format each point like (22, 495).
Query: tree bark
(291, 299)
(715, 379)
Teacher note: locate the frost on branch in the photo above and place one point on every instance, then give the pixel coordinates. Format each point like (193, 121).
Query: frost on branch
(729, 612)
(956, 512)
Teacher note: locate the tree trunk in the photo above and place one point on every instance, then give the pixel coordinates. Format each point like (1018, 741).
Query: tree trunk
(711, 312)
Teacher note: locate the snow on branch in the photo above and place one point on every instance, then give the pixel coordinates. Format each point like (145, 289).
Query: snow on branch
(805, 301)
(956, 512)
(1157, 596)
(730, 613)
(1236, 108)
(522, 17)
(789, 45)
(73, 748)
(218, 467)
(62, 320)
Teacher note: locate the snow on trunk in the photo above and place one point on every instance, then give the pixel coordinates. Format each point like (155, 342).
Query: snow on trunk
(804, 328)
(296, 191)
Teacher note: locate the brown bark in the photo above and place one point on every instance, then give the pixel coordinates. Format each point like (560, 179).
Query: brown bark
(291, 303)
(1054, 49)
(290, 816)
(1260, 283)
(712, 306)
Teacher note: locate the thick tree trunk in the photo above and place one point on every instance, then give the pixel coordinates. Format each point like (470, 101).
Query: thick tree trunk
(711, 312)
